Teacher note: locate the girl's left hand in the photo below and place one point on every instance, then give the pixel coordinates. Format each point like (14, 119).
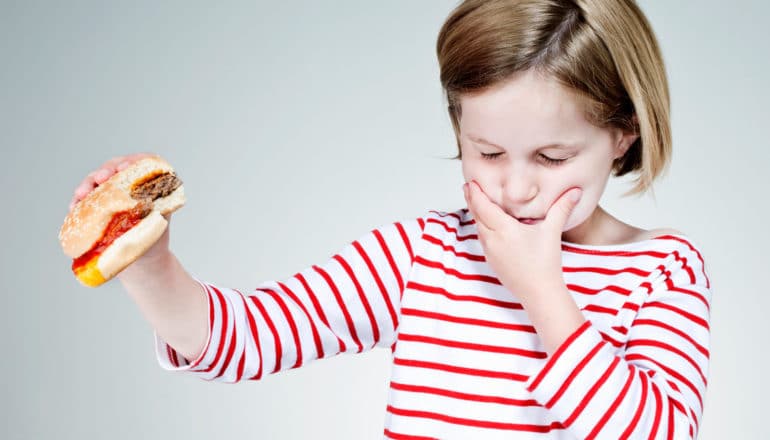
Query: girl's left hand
(525, 258)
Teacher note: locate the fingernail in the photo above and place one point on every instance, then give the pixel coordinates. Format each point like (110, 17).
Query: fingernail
(575, 195)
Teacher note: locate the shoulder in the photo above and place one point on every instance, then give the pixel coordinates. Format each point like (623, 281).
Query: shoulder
(658, 233)
(685, 254)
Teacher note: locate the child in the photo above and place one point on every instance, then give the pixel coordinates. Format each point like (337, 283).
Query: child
(530, 313)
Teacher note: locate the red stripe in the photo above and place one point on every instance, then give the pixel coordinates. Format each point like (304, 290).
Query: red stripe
(670, 348)
(314, 330)
(692, 248)
(421, 221)
(450, 229)
(572, 376)
(343, 308)
(576, 250)
(694, 318)
(211, 325)
(589, 291)
(407, 311)
(658, 410)
(397, 436)
(389, 255)
(241, 362)
(378, 279)
(600, 309)
(675, 330)
(557, 354)
(610, 339)
(472, 346)
(361, 296)
(457, 274)
(614, 406)
(462, 396)
(405, 238)
(449, 248)
(671, 372)
(230, 351)
(473, 298)
(694, 418)
(694, 294)
(460, 370)
(319, 311)
(292, 325)
(472, 422)
(592, 392)
(223, 332)
(451, 214)
(642, 402)
(687, 268)
(273, 330)
(171, 355)
(607, 271)
(254, 336)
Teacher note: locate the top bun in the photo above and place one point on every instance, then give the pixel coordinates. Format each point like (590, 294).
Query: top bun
(85, 223)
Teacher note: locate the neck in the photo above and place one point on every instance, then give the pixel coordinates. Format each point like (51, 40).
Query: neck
(588, 232)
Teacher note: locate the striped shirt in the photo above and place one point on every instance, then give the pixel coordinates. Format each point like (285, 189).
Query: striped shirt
(467, 362)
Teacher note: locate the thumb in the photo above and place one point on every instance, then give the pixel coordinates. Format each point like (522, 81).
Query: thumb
(561, 210)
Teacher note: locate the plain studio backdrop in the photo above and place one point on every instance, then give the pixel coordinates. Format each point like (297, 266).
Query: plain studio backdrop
(297, 127)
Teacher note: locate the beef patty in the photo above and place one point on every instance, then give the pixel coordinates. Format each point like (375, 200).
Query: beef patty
(157, 187)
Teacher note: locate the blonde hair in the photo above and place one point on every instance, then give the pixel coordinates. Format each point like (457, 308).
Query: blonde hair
(604, 51)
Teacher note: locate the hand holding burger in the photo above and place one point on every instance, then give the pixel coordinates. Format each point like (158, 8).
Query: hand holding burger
(119, 213)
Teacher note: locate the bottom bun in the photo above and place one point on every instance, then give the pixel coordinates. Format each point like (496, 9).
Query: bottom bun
(123, 251)
(133, 243)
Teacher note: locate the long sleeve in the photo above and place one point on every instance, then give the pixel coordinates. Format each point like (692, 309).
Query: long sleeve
(653, 386)
(349, 304)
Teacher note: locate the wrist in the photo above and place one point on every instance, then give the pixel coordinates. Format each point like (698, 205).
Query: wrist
(146, 265)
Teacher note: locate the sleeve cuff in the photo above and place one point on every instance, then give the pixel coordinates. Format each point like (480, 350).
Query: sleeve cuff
(169, 359)
(559, 379)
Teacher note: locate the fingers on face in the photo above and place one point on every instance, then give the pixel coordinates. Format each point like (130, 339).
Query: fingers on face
(481, 207)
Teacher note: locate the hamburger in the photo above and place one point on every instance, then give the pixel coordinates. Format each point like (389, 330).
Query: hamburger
(120, 219)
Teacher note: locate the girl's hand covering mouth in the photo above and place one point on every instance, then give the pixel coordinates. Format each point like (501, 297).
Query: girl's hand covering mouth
(525, 255)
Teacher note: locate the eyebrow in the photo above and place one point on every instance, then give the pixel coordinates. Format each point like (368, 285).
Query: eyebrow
(562, 145)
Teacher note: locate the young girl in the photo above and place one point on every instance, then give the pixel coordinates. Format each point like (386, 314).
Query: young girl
(533, 312)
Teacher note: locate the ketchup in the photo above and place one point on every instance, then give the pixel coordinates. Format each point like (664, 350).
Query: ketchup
(120, 223)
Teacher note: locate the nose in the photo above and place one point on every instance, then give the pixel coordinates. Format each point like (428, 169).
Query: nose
(519, 188)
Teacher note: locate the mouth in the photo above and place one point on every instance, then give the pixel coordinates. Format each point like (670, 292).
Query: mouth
(529, 221)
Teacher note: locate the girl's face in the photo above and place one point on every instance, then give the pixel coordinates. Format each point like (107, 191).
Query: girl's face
(543, 146)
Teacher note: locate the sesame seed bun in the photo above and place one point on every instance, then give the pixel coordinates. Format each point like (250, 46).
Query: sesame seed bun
(86, 224)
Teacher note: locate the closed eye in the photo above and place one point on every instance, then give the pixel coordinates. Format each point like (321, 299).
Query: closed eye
(490, 156)
(551, 161)
(546, 159)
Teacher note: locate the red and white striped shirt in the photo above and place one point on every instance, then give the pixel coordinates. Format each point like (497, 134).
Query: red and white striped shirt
(467, 363)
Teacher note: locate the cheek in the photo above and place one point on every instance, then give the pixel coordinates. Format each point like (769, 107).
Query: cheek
(584, 208)
(484, 177)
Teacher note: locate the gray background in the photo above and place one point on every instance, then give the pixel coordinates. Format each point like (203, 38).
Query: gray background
(297, 127)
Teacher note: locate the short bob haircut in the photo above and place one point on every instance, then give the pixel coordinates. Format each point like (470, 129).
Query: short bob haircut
(604, 51)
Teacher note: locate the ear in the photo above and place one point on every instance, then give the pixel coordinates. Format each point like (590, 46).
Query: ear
(625, 140)
(625, 143)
